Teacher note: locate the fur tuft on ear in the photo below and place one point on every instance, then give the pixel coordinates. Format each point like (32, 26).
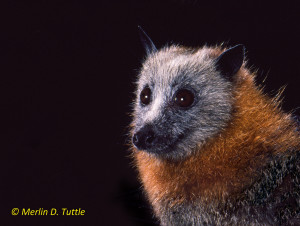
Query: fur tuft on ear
(146, 41)
(230, 61)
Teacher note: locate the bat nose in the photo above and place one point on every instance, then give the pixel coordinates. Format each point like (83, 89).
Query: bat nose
(144, 138)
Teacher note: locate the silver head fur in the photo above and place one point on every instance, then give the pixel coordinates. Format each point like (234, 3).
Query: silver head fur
(183, 98)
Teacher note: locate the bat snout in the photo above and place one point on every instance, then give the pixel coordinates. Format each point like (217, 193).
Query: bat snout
(145, 138)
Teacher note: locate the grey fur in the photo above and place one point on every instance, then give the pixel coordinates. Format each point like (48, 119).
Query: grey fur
(274, 199)
(165, 72)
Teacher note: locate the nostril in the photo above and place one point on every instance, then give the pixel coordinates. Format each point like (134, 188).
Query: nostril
(135, 139)
(149, 139)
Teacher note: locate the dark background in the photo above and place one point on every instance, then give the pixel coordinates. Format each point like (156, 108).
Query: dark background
(67, 82)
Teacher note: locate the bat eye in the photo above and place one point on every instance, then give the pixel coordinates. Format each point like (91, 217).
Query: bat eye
(184, 98)
(145, 95)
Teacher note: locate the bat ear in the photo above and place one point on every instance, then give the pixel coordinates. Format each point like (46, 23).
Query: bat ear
(146, 41)
(230, 61)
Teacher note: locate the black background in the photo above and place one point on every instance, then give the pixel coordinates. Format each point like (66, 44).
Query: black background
(67, 83)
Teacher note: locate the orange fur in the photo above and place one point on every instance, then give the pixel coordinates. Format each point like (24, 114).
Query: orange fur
(229, 162)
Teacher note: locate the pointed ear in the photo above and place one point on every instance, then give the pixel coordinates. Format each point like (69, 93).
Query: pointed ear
(230, 61)
(146, 41)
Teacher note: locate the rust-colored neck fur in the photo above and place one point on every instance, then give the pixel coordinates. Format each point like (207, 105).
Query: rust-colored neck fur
(228, 162)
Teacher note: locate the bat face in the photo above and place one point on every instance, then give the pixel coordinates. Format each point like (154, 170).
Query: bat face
(181, 101)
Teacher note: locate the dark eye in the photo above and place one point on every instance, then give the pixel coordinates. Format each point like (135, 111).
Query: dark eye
(145, 95)
(184, 98)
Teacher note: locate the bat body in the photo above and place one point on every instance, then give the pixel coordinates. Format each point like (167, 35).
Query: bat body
(210, 147)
